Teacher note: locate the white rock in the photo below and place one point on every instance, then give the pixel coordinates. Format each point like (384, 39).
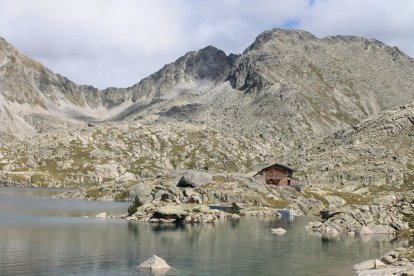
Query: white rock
(335, 201)
(317, 224)
(155, 263)
(370, 264)
(365, 231)
(331, 231)
(278, 231)
(235, 216)
(379, 264)
(101, 215)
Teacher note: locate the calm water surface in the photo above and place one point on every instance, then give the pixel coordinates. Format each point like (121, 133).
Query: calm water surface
(44, 236)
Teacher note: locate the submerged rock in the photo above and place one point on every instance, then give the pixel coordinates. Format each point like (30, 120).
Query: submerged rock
(235, 216)
(155, 263)
(278, 231)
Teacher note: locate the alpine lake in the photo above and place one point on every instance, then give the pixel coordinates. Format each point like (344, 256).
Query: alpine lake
(44, 236)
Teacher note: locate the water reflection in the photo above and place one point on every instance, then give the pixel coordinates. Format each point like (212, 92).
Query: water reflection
(61, 244)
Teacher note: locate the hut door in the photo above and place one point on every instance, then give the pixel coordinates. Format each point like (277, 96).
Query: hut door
(289, 182)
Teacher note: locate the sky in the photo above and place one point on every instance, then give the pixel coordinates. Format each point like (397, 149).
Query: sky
(118, 42)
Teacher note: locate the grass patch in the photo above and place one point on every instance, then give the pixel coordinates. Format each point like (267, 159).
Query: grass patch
(309, 194)
(93, 193)
(122, 196)
(220, 179)
(277, 203)
(351, 198)
(234, 209)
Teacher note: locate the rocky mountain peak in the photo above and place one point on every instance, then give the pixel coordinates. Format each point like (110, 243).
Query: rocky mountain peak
(280, 36)
(208, 63)
(195, 68)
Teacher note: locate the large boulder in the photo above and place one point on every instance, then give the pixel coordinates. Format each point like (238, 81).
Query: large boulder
(195, 179)
(155, 263)
(335, 201)
(170, 212)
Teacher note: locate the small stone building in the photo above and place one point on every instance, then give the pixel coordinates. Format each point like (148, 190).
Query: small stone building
(278, 174)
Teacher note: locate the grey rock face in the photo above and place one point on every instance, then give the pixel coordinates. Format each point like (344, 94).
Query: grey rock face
(195, 179)
(208, 64)
(363, 220)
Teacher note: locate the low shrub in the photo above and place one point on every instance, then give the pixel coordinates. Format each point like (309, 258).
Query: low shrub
(134, 206)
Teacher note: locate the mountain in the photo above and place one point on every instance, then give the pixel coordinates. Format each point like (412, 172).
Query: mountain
(288, 83)
(33, 99)
(286, 92)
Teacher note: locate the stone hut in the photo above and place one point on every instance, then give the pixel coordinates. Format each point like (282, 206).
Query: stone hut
(277, 174)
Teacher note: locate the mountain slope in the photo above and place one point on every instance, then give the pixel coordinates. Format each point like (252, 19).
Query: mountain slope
(374, 155)
(287, 91)
(124, 153)
(288, 84)
(34, 99)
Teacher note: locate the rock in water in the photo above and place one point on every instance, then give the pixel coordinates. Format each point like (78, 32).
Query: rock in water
(278, 231)
(170, 212)
(195, 179)
(155, 263)
(101, 215)
(235, 216)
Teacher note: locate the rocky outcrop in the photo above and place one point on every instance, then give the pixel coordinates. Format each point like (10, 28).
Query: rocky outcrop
(399, 261)
(256, 198)
(373, 158)
(176, 213)
(362, 220)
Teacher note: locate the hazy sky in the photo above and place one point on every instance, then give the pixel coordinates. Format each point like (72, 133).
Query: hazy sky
(117, 43)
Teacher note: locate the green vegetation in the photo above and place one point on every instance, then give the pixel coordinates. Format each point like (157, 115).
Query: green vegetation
(134, 207)
(122, 196)
(277, 203)
(351, 198)
(94, 193)
(234, 209)
(220, 179)
(309, 194)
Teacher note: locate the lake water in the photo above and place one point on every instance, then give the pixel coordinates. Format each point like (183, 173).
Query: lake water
(44, 236)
